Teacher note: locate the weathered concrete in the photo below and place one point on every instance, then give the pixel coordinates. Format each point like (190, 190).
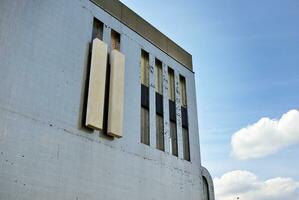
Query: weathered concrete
(45, 153)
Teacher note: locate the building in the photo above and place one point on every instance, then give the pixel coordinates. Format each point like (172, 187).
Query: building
(95, 103)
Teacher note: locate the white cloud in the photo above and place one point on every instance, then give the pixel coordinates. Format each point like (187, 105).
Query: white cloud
(267, 136)
(247, 186)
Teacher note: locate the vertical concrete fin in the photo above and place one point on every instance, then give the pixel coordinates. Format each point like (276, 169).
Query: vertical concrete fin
(96, 89)
(167, 138)
(116, 95)
(178, 115)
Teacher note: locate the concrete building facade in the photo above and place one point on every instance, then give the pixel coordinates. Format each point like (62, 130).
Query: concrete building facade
(48, 71)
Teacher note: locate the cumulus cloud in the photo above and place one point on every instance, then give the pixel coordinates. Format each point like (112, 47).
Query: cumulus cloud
(266, 136)
(245, 185)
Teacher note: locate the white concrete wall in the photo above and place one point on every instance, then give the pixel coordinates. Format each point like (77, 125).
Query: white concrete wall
(45, 153)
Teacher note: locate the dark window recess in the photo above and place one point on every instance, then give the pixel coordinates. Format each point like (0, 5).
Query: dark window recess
(106, 100)
(184, 117)
(97, 31)
(144, 96)
(172, 111)
(115, 40)
(159, 104)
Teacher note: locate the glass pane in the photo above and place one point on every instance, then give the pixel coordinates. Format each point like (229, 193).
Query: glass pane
(186, 144)
(173, 135)
(144, 68)
(144, 126)
(158, 77)
(183, 91)
(160, 132)
(171, 86)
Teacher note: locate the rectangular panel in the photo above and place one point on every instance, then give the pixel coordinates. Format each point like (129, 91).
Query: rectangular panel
(173, 135)
(183, 91)
(171, 86)
(158, 77)
(184, 117)
(159, 104)
(186, 145)
(144, 126)
(144, 65)
(116, 94)
(144, 96)
(172, 111)
(160, 132)
(96, 89)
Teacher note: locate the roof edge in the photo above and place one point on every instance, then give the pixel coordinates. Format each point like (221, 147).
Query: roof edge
(128, 17)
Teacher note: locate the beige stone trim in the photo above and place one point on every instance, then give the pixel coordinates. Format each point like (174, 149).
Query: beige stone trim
(96, 89)
(116, 94)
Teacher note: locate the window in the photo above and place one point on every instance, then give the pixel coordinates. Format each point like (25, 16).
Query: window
(158, 77)
(160, 132)
(186, 147)
(171, 87)
(97, 31)
(183, 91)
(159, 105)
(145, 126)
(144, 68)
(115, 40)
(172, 112)
(173, 135)
(184, 114)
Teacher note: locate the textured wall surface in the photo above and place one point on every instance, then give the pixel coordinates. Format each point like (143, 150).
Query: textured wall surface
(45, 152)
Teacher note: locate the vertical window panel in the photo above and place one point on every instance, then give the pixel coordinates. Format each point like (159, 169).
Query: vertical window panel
(172, 112)
(97, 31)
(186, 147)
(184, 114)
(158, 77)
(145, 126)
(115, 40)
(183, 91)
(144, 68)
(160, 132)
(171, 86)
(173, 135)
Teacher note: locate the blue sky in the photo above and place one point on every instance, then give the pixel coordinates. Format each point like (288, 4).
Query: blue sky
(246, 62)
